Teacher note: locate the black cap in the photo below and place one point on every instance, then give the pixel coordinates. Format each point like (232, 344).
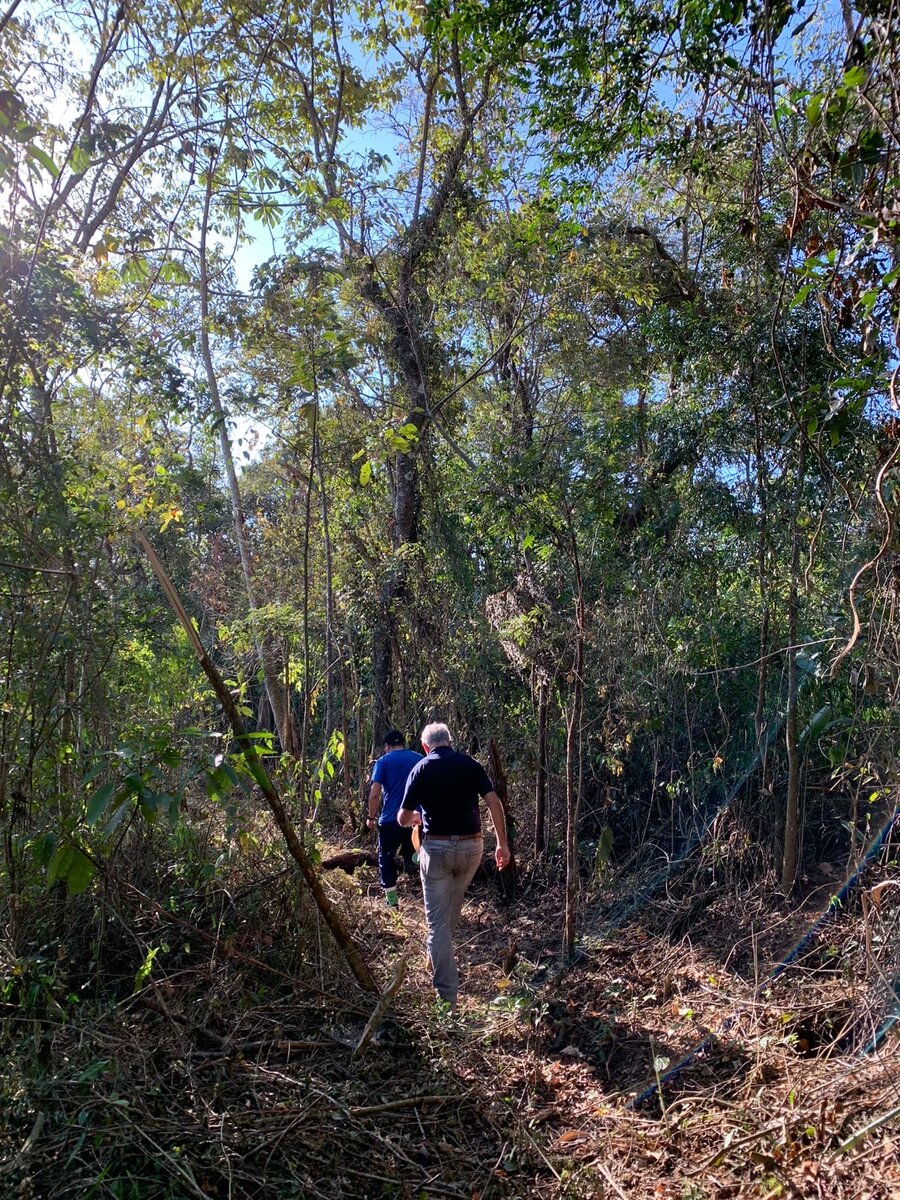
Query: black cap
(394, 737)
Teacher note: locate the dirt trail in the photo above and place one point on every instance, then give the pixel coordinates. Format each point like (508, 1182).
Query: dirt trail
(678, 1057)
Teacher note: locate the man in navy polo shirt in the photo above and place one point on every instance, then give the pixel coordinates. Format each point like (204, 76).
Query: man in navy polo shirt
(446, 786)
(388, 782)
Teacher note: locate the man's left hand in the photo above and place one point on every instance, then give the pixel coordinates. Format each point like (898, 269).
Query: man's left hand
(503, 857)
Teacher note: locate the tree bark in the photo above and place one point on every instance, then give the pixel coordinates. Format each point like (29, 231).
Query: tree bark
(383, 655)
(573, 731)
(498, 778)
(759, 722)
(792, 800)
(540, 792)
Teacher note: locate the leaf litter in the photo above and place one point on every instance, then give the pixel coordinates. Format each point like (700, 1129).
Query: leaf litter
(662, 1063)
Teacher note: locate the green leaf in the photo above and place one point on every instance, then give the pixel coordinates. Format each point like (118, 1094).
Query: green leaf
(143, 972)
(42, 848)
(268, 214)
(218, 784)
(72, 865)
(173, 271)
(365, 473)
(155, 801)
(814, 109)
(96, 769)
(58, 866)
(25, 132)
(94, 1071)
(117, 817)
(801, 295)
(79, 160)
(871, 146)
(135, 270)
(42, 157)
(855, 77)
(224, 778)
(80, 873)
(818, 723)
(11, 105)
(99, 802)
(868, 300)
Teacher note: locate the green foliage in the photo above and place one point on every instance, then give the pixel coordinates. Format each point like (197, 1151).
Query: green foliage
(567, 330)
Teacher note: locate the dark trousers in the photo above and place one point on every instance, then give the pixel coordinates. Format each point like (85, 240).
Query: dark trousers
(391, 838)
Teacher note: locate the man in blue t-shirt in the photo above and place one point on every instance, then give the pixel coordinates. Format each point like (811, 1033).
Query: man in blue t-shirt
(388, 785)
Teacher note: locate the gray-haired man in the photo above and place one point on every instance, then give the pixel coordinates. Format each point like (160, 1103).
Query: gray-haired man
(446, 786)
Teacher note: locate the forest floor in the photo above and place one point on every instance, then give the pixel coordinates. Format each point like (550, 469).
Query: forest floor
(681, 1055)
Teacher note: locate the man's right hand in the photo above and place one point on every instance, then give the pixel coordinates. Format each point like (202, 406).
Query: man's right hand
(503, 857)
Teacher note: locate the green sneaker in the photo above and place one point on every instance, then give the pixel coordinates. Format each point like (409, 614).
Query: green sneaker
(391, 898)
(415, 859)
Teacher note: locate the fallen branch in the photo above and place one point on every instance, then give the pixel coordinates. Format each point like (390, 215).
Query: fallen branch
(27, 1146)
(607, 1175)
(406, 1102)
(382, 1006)
(721, 1155)
(863, 1133)
(245, 1048)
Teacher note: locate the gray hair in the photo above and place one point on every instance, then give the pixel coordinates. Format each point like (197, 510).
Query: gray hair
(436, 734)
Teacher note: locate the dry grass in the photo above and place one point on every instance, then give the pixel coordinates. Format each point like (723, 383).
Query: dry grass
(659, 1064)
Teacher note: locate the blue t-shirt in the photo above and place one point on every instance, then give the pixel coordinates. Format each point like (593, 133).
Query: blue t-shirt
(392, 771)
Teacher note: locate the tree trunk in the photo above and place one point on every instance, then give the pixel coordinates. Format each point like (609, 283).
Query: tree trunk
(326, 546)
(498, 778)
(283, 720)
(383, 655)
(792, 800)
(540, 795)
(352, 815)
(759, 722)
(307, 662)
(573, 731)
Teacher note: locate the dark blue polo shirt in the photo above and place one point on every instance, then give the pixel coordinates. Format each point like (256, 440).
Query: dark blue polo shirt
(446, 785)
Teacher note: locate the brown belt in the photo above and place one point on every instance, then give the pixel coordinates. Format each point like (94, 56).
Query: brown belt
(451, 837)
